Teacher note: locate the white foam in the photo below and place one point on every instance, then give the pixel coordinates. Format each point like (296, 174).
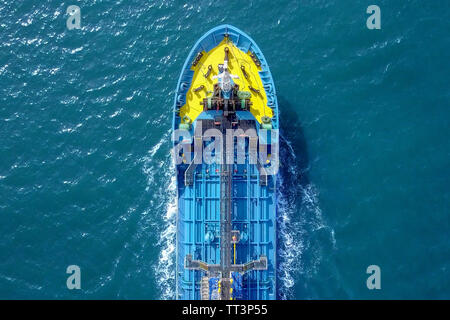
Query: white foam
(165, 269)
(290, 245)
(157, 169)
(295, 221)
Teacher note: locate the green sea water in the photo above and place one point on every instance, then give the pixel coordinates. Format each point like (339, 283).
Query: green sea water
(85, 169)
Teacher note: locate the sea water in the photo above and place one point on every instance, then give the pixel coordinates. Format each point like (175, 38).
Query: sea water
(86, 177)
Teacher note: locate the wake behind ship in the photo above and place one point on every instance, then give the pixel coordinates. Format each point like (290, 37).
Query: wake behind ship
(226, 151)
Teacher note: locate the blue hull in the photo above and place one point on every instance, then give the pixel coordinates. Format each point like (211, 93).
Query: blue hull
(253, 204)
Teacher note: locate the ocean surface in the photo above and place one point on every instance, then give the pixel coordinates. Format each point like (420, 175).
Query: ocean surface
(85, 126)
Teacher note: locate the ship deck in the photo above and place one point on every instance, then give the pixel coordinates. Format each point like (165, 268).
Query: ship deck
(217, 201)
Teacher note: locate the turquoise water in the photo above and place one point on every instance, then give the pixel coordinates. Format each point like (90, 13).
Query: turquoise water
(85, 170)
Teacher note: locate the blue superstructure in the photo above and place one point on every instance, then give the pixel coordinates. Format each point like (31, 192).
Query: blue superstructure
(226, 221)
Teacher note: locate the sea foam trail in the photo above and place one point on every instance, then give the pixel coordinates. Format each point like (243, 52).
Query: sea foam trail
(290, 247)
(299, 214)
(160, 171)
(166, 268)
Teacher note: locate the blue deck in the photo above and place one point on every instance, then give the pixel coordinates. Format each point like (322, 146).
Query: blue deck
(253, 204)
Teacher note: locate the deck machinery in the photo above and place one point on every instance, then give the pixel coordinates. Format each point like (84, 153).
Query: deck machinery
(226, 221)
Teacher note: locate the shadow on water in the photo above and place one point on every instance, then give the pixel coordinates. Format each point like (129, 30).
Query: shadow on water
(304, 237)
(293, 181)
(293, 149)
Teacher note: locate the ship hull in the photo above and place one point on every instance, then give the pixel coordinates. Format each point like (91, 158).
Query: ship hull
(238, 199)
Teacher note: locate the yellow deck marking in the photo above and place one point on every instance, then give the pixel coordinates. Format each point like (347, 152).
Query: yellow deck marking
(237, 58)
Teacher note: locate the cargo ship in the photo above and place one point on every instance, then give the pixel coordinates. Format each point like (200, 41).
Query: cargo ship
(225, 146)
